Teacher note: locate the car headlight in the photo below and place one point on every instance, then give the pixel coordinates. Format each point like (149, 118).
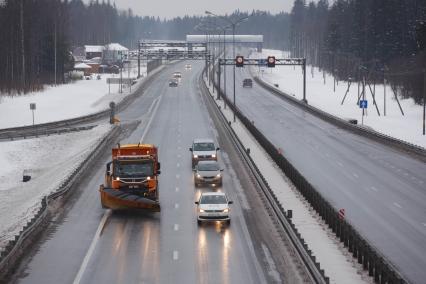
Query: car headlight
(213, 155)
(198, 175)
(201, 210)
(226, 210)
(218, 175)
(195, 156)
(117, 178)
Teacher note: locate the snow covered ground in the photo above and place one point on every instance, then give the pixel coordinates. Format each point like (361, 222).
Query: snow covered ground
(322, 96)
(67, 101)
(49, 160)
(337, 263)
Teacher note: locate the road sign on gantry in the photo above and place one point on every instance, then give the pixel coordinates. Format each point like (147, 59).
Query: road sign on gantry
(271, 61)
(239, 61)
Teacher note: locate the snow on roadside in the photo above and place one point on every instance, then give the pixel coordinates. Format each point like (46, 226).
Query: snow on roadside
(320, 95)
(49, 160)
(337, 263)
(67, 101)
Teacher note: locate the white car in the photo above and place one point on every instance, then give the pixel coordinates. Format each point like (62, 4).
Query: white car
(213, 206)
(177, 75)
(203, 149)
(188, 66)
(208, 172)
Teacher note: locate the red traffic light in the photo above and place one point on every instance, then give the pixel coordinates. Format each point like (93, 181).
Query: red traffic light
(271, 61)
(239, 61)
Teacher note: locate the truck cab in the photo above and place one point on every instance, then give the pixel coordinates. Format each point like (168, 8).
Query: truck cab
(131, 178)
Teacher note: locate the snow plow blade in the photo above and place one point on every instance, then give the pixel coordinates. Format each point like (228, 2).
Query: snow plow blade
(116, 200)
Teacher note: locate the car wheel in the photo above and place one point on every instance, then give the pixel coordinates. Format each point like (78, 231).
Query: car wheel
(199, 222)
(228, 222)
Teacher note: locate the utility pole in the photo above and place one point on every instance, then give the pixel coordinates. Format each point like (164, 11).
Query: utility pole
(22, 44)
(424, 102)
(55, 52)
(139, 59)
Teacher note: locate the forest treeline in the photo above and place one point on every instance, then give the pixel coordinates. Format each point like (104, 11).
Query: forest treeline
(37, 36)
(375, 39)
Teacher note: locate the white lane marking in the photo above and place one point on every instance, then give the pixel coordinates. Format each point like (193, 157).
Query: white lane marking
(176, 227)
(340, 164)
(355, 175)
(373, 188)
(91, 249)
(177, 176)
(177, 189)
(150, 120)
(152, 105)
(178, 165)
(176, 205)
(175, 255)
(397, 205)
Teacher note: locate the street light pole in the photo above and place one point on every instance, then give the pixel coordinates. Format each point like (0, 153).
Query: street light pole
(233, 24)
(233, 56)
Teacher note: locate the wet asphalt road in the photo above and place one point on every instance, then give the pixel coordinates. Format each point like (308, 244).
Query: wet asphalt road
(165, 247)
(383, 191)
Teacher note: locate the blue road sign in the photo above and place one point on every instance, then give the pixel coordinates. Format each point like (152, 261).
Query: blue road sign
(363, 104)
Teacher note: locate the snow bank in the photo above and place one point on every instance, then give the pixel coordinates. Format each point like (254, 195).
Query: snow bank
(322, 96)
(72, 100)
(49, 160)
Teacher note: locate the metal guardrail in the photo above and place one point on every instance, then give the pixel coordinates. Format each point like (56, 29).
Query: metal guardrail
(378, 267)
(50, 127)
(316, 273)
(15, 248)
(417, 151)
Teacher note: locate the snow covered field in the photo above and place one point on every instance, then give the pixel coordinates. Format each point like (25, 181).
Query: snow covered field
(49, 160)
(76, 99)
(320, 95)
(337, 263)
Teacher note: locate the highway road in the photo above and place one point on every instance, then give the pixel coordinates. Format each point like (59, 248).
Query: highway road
(87, 244)
(382, 190)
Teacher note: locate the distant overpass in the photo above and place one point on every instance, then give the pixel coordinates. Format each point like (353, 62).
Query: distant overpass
(250, 40)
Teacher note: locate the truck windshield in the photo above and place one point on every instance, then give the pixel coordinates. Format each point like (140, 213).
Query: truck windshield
(206, 146)
(134, 168)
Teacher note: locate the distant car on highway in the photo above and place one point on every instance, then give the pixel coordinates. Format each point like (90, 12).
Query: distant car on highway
(188, 66)
(213, 206)
(208, 172)
(173, 82)
(247, 83)
(177, 75)
(203, 149)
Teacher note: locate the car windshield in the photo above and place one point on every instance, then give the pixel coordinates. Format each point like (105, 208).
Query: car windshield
(213, 199)
(204, 146)
(134, 168)
(208, 167)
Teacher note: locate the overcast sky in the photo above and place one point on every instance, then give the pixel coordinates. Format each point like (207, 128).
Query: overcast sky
(174, 8)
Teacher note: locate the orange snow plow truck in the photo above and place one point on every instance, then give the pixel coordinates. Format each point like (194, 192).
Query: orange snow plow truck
(131, 178)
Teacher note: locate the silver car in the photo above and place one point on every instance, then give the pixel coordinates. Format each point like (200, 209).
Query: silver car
(208, 172)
